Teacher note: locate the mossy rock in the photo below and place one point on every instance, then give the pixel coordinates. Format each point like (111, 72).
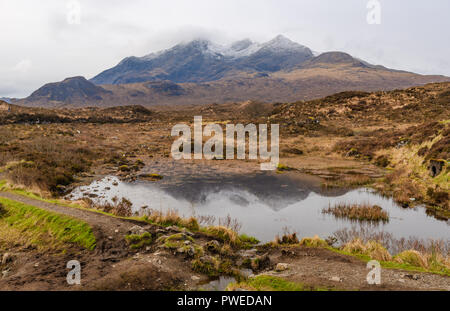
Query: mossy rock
(179, 237)
(139, 241)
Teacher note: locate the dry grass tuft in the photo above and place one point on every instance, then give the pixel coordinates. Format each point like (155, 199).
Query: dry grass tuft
(286, 238)
(372, 249)
(413, 258)
(353, 181)
(358, 212)
(225, 234)
(122, 207)
(313, 242)
(376, 251)
(355, 247)
(171, 218)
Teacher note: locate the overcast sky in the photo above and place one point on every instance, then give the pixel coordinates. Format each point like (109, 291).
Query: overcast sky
(42, 41)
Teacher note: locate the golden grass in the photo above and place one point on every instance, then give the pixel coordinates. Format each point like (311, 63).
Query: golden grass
(413, 258)
(313, 242)
(224, 233)
(410, 177)
(376, 251)
(432, 262)
(171, 218)
(360, 212)
(372, 249)
(356, 246)
(286, 238)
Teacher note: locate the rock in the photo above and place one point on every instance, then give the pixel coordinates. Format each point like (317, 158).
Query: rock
(335, 279)
(7, 258)
(286, 252)
(187, 232)
(281, 267)
(195, 278)
(189, 251)
(353, 153)
(137, 230)
(213, 246)
(401, 280)
(414, 277)
(5, 273)
(174, 228)
(248, 253)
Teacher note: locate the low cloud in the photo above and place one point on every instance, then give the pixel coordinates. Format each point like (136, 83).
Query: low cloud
(23, 66)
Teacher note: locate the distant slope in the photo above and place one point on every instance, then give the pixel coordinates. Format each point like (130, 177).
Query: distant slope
(70, 91)
(299, 84)
(333, 58)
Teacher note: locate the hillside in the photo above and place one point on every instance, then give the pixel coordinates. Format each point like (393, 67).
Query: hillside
(298, 84)
(70, 91)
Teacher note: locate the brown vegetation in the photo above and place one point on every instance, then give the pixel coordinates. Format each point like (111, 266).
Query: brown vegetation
(360, 212)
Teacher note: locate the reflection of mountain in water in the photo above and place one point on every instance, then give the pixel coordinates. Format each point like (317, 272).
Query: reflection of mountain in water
(276, 191)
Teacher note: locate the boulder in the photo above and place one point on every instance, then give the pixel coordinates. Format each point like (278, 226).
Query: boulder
(138, 230)
(281, 267)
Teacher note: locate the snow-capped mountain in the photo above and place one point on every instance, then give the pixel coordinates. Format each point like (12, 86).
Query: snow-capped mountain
(203, 60)
(203, 72)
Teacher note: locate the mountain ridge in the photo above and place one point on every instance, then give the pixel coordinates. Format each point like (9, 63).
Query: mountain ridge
(202, 72)
(201, 60)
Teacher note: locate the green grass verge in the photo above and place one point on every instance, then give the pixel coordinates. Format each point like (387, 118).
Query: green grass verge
(4, 186)
(22, 223)
(272, 283)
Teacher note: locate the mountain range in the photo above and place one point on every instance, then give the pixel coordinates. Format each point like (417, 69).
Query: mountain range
(202, 72)
(202, 61)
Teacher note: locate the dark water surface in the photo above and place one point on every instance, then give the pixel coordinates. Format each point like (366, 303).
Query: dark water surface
(265, 204)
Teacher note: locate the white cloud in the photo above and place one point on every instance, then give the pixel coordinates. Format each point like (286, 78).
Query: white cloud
(411, 36)
(23, 66)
